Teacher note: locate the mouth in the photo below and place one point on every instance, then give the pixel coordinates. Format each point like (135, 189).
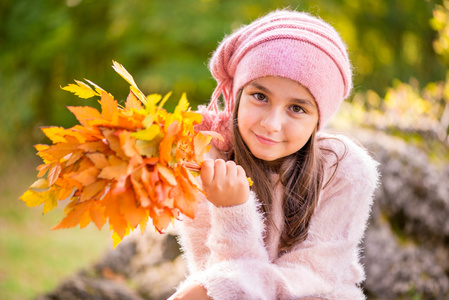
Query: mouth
(265, 141)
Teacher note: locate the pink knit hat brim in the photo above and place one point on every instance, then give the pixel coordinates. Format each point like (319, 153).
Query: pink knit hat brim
(297, 60)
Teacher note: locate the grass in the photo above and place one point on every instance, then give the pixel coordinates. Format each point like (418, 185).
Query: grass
(33, 258)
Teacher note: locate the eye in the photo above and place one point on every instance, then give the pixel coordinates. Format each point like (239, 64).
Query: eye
(296, 109)
(259, 96)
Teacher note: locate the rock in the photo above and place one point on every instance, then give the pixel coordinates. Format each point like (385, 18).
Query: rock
(88, 288)
(147, 266)
(407, 242)
(398, 268)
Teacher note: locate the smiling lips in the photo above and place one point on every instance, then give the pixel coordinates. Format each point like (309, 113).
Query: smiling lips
(266, 141)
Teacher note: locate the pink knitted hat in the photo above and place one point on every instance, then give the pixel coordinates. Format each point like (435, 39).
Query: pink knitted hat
(289, 44)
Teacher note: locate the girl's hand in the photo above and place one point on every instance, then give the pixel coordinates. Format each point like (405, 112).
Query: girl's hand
(191, 292)
(224, 183)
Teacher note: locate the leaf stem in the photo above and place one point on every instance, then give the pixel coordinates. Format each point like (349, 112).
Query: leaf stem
(197, 167)
(192, 165)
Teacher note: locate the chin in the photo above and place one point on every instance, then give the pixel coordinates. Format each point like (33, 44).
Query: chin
(266, 158)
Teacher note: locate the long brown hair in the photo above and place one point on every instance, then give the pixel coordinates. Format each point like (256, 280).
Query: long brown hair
(301, 175)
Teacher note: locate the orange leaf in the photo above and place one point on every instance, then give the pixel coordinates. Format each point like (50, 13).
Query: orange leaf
(61, 135)
(162, 218)
(90, 191)
(53, 174)
(186, 196)
(109, 108)
(99, 159)
(85, 219)
(167, 174)
(85, 114)
(42, 169)
(201, 144)
(66, 187)
(96, 213)
(89, 134)
(143, 223)
(150, 179)
(145, 178)
(54, 133)
(121, 185)
(74, 215)
(116, 168)
(166, 146)
(60, 150)
(112, 211)
(41, 147)
(64, 193)
(128, 207)
(161, 195)
(132, 102)
(97, 146)
(141, 193)
(87, 176)
(73, 157)
(128, 144)
(113, 141)
(68, 183)
(72, 136)
(130, 123)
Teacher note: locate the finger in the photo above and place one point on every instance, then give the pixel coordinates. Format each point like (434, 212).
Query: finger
(231, 169)
(220, 170)
(207, 171)
(241, 174)
(240, 171)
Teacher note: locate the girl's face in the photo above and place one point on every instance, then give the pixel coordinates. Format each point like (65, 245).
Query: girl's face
(276, 117)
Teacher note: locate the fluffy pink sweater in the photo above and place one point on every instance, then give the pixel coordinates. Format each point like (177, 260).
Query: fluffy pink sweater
(232, 251)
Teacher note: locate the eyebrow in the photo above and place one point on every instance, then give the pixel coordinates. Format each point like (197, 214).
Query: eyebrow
(296, 100)
(260, 87)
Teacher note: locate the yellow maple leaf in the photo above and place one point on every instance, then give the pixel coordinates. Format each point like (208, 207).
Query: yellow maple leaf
(147, 134)
(81, 89)
(182, 106)
(51, 200)
(32, 198)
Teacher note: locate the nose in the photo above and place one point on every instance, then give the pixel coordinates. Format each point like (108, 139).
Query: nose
(272, 120)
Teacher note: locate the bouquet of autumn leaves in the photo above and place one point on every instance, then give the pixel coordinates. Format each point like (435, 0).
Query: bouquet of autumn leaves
(123, 165)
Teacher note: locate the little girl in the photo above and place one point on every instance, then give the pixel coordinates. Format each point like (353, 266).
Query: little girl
(295, 233)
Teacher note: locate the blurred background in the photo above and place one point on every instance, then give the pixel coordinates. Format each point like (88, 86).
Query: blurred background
(399, 50)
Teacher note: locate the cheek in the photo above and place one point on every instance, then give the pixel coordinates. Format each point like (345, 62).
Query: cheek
(300, 133)
(243, 117)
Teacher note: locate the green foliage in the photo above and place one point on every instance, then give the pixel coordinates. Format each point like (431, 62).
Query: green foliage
(34, 259)
(440, 23)
(418, 115)
(166, 44)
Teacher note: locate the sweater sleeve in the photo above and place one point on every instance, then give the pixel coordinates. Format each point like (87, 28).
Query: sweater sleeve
(325, 265)
(192, 234)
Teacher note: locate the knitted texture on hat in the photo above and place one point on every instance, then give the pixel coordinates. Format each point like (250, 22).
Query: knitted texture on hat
(289, 44)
